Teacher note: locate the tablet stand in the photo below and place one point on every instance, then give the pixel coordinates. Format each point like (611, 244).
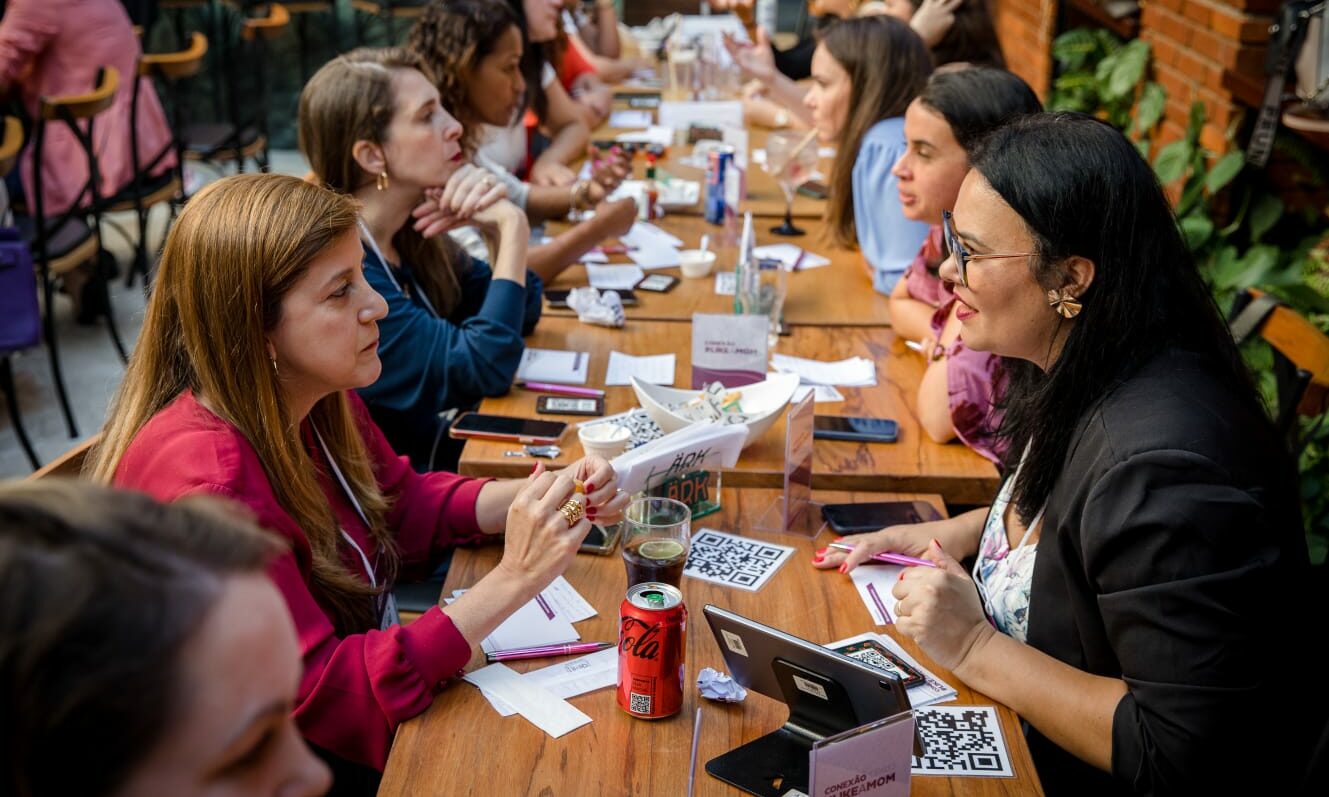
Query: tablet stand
(777, 762)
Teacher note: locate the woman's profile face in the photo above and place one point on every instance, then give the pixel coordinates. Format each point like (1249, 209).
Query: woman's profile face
(542, 19)
(232, 734)
(422, 144)
(496, 87)
(1003, 309)
(326, 338)
(932, 167)
(828, 98)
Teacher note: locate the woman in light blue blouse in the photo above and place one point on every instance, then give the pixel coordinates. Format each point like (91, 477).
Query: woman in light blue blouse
(865, 72)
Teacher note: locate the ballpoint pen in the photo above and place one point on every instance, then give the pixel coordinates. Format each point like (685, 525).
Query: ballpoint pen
(542, 651)
(562, 390)
(890, 558)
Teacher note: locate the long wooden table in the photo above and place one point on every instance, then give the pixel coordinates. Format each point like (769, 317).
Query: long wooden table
(838, 294)
(460, 746)
(915, 463)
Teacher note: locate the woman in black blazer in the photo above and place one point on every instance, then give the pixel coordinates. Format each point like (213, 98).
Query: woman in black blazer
(1142, 574)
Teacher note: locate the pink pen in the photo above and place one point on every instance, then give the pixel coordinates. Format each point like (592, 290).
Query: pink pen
(563, 390)
(889, 558)
(542, 651)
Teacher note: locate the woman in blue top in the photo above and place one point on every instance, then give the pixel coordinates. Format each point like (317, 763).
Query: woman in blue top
(865, 72)
(371, 125)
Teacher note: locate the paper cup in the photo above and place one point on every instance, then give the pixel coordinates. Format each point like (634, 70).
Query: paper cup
(695, 262)
(606, 440)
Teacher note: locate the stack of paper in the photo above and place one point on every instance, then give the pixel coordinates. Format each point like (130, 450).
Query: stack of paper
(568, 678)
(614, 278)
(700, 445)
(789, 255)
(657, 369)
(650, 246)
(550, 714)
(549, 365)
(545, 620)
(655, 134)
(851, 372)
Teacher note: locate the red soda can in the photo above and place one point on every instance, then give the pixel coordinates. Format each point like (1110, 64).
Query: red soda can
(652, 643)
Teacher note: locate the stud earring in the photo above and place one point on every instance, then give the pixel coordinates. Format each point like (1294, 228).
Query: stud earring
(1066, 305)
(381, 182)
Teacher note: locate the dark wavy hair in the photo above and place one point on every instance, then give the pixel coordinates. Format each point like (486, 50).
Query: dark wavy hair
(977, 99)
(533, 59)
(972, 38)
(1082, 189)
(100, 591)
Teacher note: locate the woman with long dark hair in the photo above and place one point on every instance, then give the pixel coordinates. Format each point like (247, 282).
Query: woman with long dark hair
(1134, 591)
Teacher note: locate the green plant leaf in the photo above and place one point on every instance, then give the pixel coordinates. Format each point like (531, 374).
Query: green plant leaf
(1258, 261)
(1196, 229)
(1171, 162)
(1128, 68)
(1225, 267)
(1153, 101)
(1223, 172)
(1195, 123)
(1265, 213)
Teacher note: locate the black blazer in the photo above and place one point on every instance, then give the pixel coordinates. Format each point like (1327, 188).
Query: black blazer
(1173, 556)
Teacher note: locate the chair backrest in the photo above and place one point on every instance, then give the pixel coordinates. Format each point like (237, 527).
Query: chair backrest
(83, 106)
(69, 464)
(1300, 344)
(178, 64)
(270, 26)
(11, 143)
(77, 111)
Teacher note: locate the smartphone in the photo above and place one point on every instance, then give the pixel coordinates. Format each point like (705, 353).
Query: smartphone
(600, 540)
(557, 298)
(569, 405)
(814, 189)
(863, 430)
(636, 99)
(657, 283)
(475, 425)
(858, 518)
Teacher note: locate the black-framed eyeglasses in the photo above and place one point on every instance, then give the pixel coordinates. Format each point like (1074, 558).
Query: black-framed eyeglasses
(962, 255)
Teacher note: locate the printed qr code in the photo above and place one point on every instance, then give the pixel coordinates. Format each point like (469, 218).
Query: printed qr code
(639, 704)
(963, 740)
(733, 561)
(643, 429)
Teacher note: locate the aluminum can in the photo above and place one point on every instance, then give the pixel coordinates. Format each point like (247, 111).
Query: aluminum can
(652, 643)
(717, 167)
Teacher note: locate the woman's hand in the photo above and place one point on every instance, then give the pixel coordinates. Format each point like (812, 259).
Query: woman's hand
(756, 60)
(505, 217)
(551, 172)
(604, 502)
(469, 190)
(540, 544)
(608, 171)
(431, 219)
(911, 539)
(933, 20)
(939, 609)
(618, 216)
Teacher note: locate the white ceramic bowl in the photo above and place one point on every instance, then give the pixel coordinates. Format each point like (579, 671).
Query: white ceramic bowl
(764, 401)
(606, 440)
(696, 263)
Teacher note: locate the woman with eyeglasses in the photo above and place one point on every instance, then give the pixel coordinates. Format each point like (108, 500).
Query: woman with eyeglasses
(1136, 581)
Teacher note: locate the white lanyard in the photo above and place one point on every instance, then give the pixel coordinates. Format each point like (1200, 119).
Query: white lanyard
(383, 261)
(390, 615)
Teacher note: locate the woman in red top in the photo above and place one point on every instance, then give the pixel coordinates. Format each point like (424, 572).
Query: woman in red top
(260, 327)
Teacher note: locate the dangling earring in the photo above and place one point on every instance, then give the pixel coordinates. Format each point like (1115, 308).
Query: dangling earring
(274, 367)
(1066, 305)
(382, 181)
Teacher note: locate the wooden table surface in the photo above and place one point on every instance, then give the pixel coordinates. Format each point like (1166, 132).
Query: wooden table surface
(838, 294)
(460, 746)
(915, 463)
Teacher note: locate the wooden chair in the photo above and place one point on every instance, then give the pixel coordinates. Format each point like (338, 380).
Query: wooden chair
(68, 465)
(62, 242)
(1301, 356)
(388, 13)
(146, 190)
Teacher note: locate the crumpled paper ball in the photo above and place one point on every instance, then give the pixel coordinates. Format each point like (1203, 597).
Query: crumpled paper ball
(596, 307)
(718, 686)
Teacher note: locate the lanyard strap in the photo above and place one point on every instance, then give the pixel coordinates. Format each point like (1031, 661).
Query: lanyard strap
(368, 238)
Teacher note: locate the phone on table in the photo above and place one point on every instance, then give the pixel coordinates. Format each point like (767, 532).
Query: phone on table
(858, 518)
(479, 426)
(860, 430)
(557, 298)
(569, 405)
(657, 283)
(601, 540)
(815, 189)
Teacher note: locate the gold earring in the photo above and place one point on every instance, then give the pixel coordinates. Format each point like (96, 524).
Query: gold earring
(1066, 305)
(382, 181)
(274, 367)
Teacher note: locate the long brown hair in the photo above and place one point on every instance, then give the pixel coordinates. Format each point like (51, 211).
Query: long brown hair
(237, 249)
(888, 65)
(352, 99)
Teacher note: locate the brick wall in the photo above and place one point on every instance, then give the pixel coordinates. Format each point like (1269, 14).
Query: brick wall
(1026, 29)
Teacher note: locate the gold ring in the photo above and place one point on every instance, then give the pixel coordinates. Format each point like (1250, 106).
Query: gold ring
(572, 512)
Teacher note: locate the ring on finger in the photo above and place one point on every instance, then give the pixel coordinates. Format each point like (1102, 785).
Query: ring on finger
(572, 512)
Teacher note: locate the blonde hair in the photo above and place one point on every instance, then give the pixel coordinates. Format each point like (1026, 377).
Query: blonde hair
(238, 247)
(352, 99)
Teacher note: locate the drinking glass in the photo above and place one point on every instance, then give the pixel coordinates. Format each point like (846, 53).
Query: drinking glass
(657, 533)
(791, 167)
(762, 292)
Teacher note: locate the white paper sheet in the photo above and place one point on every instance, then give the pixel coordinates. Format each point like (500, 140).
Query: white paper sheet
(726, 283)
(874, 583)
(553, 715)
(568, 678)
(825, 393)
(681, 115)
(655, 256)
(932, 690)
(613, 278)
(630, 119)
(535, 623)
(849, 372)
(566, 601)
(655, 134)
(646, 234)
(788, 255)
(720, 445)
(594, 257)
(551, 365)
(658, 369)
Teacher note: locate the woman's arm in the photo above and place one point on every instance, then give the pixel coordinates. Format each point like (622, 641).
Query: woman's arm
(611, 220)
(934, 402)
(25, 30)
(959, 534)
(568, 136)
(911, 319)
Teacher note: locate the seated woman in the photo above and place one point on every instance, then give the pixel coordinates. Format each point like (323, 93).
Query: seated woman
(1135, 593)
(260, 327)
(371, 126)
(474, 51)
(146, 640)
(957, 395)
(865, 73)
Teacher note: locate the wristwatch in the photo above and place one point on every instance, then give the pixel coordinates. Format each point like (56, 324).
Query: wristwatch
(781, 118)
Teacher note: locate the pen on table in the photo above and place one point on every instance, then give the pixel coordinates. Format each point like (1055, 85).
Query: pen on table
(562, 390)
(891, 558)
(798, 263)
(620, 249)
(542, 651)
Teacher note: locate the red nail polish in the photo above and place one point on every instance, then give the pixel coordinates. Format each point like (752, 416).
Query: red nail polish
(844, 567)
(821, 552)
(934, 542)
(590, 511)
(590, 488)
(817, 559)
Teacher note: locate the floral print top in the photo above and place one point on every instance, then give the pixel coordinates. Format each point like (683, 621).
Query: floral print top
(1003, 575)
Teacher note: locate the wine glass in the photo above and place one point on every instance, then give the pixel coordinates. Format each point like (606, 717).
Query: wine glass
(791, 165)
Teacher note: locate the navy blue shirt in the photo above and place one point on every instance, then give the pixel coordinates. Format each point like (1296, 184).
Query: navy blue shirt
(433, 364)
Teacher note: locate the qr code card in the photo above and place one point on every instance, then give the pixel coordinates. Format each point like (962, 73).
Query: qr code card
(872, 652)
(734, 561)
(961, 740)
